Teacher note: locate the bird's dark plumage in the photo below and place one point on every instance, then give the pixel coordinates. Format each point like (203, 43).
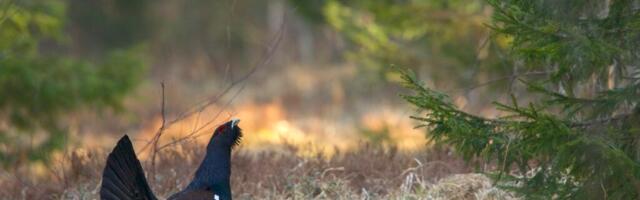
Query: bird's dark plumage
(123, 177)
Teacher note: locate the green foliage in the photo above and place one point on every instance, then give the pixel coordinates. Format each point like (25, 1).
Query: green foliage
(40, 86)
(580, 40)
(577, 137)
(563, 158)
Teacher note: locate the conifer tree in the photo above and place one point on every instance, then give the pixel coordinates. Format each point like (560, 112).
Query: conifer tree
(575, 134)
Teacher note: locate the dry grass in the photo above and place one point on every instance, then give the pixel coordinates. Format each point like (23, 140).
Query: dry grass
(371, 172)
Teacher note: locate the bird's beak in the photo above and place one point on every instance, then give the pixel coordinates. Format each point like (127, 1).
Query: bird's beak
(234, 122)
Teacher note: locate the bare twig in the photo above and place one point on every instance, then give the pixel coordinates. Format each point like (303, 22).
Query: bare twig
(156, 138)
(194, 133)
(198, 108)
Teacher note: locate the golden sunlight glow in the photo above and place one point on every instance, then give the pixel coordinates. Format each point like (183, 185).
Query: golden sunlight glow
(268, 127)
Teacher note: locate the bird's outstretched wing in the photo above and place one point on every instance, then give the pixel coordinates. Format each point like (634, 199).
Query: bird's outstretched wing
(123, 178)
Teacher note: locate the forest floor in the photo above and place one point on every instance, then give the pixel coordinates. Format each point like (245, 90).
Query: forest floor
(370, 172)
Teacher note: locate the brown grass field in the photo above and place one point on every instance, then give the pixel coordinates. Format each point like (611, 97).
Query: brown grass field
(370, 172)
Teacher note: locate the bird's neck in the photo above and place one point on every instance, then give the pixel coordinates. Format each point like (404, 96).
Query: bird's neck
(214, 171)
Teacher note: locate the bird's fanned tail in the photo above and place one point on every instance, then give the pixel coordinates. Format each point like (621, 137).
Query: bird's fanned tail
(123, 177)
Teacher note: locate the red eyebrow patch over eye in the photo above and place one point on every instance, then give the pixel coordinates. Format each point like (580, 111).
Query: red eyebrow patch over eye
(221, 128)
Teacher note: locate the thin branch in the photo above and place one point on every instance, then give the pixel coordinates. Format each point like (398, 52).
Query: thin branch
(607, 120)
(196, 132)
(510, 77)
(157, 136)
(268, 54)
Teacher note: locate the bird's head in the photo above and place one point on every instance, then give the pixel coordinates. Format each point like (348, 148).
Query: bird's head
(227, 135)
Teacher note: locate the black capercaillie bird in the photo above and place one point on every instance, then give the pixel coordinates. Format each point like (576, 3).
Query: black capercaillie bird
(123, 177)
